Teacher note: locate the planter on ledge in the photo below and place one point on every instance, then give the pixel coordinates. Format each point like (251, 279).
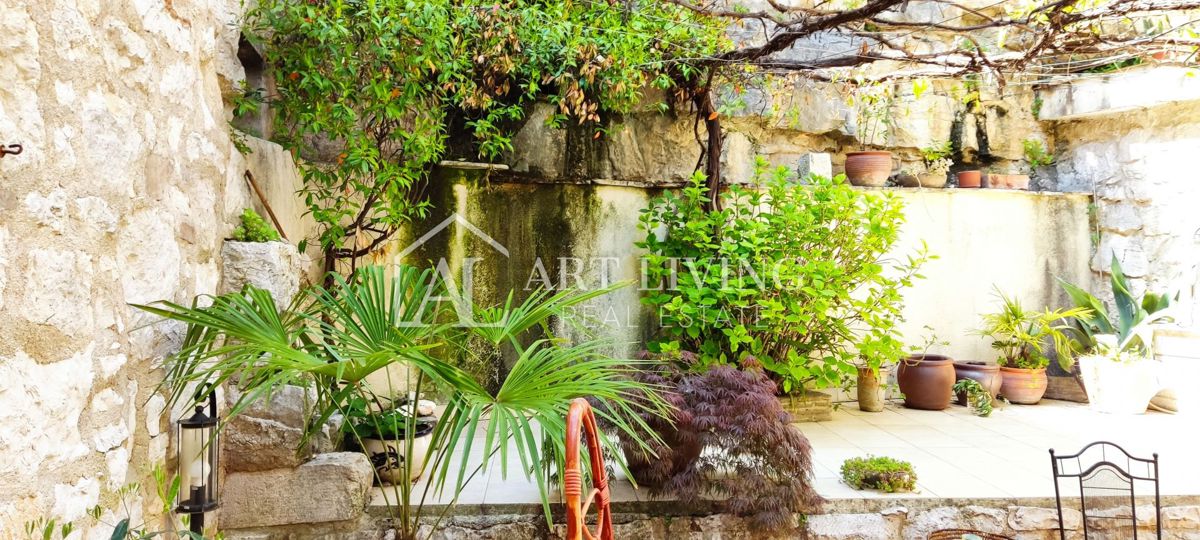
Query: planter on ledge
(969, 179)
(868, 169)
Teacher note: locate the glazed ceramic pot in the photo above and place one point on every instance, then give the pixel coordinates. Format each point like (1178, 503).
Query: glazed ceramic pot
(1007, 181)
(969, 179)
(987, 375)
(1023, 386)
(387, 456)
(927, 381)
(870, 389)
(868, 169)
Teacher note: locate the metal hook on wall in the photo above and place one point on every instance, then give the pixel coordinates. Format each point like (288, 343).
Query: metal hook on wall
(13, 149)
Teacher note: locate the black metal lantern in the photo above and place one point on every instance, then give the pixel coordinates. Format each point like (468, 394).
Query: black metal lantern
(198, 453)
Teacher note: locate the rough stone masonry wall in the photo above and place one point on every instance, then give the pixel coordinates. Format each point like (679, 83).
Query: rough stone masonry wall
(1140, 164)
(123, 194)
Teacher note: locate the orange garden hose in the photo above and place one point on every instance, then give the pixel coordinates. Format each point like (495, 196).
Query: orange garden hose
(579, 419)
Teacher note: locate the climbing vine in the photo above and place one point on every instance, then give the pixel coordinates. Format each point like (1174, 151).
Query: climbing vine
(367, 91)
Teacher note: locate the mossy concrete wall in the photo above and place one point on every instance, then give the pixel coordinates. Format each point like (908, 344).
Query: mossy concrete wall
(1016, 241)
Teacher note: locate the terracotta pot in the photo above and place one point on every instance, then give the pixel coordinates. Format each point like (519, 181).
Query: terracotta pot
(869, 169)
(1023, 386)
(987, 375)
(969, 179)
(870, 391)
(1007, 181)
(682, 453)
(927, 381)
(933, 180)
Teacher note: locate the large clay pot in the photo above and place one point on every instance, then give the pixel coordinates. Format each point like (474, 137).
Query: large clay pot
(1008, 181)
(1023, 386)
(1116, 387)
(927, 381)
(869, 169)
(987, 375)
(870, 391)
(969, 179)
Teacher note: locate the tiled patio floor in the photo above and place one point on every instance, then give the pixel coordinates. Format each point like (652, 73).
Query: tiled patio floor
(955, 454)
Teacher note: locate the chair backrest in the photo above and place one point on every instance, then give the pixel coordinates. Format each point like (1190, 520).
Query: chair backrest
(1107, 478)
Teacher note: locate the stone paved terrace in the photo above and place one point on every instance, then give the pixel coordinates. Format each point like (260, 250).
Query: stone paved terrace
(956, 455)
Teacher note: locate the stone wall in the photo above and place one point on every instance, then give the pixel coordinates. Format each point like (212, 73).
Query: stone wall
(127, 185)
(1130, 139)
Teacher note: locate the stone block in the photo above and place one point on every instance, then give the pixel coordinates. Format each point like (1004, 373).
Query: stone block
(1175, 518)
(331, 487)
(273, 266)
(266, 435)
(850, 527)
(818, 163)
(1034, 518)
(812, 406)
(980, 518)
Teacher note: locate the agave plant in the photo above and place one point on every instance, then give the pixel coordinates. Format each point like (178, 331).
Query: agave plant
(1134, 317)
(333, 337)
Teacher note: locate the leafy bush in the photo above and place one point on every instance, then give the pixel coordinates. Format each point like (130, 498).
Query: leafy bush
(728, 436)
(1133, 316)
(794, 276)
(1022, 336)
(382, 84)
(978, 399)
(879, 472)
(254, 229)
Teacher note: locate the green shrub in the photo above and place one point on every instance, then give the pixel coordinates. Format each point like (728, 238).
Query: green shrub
(1036, 154)
(978, 398)
(793, 275)
(879, 472)
(254, 229)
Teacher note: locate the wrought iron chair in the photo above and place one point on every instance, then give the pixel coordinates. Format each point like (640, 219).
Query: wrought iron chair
(1105, 473)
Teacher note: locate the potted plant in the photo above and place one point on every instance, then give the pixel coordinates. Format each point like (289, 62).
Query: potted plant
(969, 179)
(870, 387)
(936, 159)
(926, 379)
(871, 168)
(1023, 338)
(382, 434)
(974, 395)
(1119, 374)
(984, 373)
(883, 473)
(1007, 180)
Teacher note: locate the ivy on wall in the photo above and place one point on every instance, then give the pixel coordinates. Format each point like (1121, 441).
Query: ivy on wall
(366, 90)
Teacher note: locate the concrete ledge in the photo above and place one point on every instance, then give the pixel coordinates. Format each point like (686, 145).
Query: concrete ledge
(1120, 92)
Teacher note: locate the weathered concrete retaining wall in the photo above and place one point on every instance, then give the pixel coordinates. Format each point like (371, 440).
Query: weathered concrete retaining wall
(1014, 240)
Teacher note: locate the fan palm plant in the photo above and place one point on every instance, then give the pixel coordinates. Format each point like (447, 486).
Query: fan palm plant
(1021, 336)
(333, 337)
